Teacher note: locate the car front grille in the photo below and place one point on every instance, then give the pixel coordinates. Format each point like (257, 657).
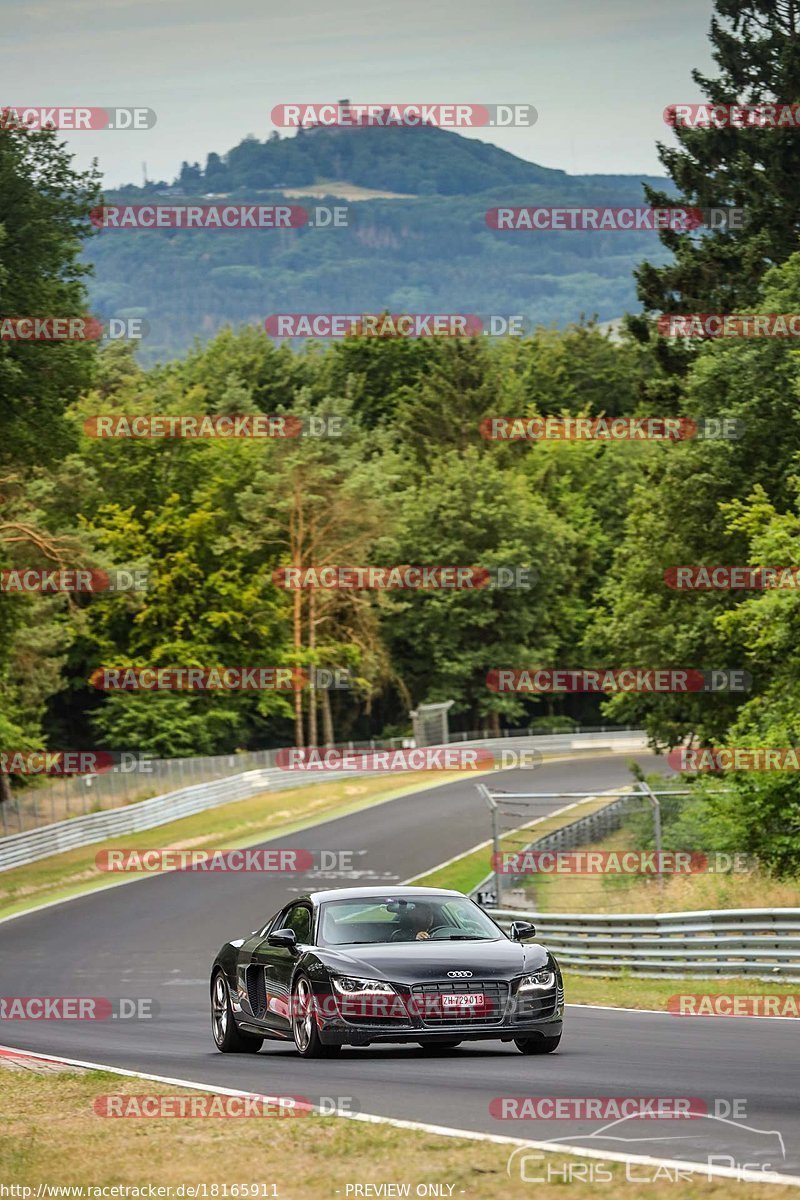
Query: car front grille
(428, 1003)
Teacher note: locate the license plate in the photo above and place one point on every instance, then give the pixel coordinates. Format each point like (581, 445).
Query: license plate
(464, 1000)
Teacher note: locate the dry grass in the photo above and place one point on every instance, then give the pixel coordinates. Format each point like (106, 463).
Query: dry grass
(630, 991)
(642, 894)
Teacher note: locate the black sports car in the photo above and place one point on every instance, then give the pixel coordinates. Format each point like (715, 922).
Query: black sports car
(361, 965)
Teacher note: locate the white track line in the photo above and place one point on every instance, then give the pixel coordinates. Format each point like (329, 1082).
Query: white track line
(702, 1169)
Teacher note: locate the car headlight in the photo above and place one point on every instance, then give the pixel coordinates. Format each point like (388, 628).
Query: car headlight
(538, 981)
(348, 985)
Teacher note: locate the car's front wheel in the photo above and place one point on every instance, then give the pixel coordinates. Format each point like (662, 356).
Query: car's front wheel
(304, 1022)
(228, 1037)
(537, 1045)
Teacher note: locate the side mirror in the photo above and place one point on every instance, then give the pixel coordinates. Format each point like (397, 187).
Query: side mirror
(283, 937)
(521, 930)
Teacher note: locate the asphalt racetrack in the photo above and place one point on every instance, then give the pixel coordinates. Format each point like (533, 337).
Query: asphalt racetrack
(157, 937)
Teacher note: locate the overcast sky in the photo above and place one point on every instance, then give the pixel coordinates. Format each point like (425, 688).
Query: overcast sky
(600, 74)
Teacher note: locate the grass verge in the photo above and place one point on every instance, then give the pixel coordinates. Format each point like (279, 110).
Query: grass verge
(609, 893)
(629, 991)
(51, 1135)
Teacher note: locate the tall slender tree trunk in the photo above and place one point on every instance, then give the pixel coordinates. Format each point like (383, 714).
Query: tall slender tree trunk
(312, 694)
(327, 717)
(298, 692)
(296, 536)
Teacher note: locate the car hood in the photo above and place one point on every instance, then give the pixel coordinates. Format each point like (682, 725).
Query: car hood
(418, 962)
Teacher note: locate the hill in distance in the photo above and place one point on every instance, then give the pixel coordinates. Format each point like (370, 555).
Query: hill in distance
(421, 161)
(423, 246)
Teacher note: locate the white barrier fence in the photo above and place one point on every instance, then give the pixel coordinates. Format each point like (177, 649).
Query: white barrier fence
(762, 942)
(20, 848)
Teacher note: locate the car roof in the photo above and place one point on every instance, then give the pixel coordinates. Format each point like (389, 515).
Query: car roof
(365, 893)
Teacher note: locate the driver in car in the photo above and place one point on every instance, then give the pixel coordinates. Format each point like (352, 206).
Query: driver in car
(416, 923)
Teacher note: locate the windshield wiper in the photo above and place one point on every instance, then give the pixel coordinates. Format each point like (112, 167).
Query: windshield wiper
(464, 937)
(368, 942)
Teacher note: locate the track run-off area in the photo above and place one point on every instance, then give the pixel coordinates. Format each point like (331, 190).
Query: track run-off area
(155, 939)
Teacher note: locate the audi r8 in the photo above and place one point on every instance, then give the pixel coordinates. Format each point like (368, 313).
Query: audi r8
(357, 966)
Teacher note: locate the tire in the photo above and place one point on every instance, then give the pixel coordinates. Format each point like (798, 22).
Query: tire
(304, 1025)
(537, 1045)
(432, 1047)
(228, 1038)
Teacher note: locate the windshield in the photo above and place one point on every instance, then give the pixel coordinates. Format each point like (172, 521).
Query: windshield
(404, 919)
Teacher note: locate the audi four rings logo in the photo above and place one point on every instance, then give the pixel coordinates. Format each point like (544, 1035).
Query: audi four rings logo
(459, 974)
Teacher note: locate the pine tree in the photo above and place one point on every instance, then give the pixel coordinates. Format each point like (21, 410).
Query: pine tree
(756, 45)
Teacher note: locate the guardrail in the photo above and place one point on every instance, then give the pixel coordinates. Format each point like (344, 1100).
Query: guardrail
(762, 942)
(21, 848)
(608, 739)
(18, 849)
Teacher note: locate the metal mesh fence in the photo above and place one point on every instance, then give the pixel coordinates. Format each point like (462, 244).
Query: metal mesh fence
(604, 853)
